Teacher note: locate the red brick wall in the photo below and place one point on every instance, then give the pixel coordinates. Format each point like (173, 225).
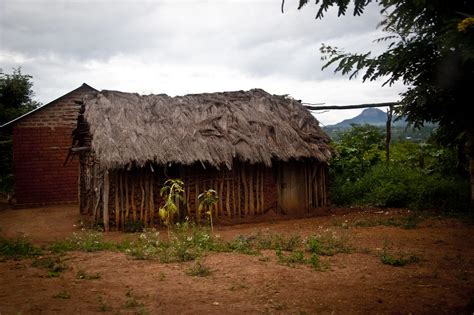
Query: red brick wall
(40, 145)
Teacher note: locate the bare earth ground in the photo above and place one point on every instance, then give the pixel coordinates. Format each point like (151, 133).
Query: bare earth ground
(441, 282)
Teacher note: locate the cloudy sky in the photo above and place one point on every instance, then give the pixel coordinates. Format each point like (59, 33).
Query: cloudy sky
(179, 47)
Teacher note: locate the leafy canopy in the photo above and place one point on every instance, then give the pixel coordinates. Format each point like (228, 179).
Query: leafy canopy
(430, 49)
(16, 95)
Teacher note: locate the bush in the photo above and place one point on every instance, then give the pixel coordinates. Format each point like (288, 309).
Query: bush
(400, 186)
(17, 248)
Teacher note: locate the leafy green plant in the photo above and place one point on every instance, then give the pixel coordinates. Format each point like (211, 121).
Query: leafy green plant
(199, 269)
(328, 244)
(396, 260)
(54, 265)
(207, 201)
(17, 248)
(87, 241)
(172, 190)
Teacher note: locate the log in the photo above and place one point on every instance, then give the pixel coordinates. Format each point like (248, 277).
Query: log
(105, 199)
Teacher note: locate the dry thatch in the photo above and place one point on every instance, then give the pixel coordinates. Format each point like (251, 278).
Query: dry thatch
(211, 128)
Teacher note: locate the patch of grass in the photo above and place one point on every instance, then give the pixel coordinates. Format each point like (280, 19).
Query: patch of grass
(161, 276)
(81, 274)
(17, 248)
(53, 264)
(62, 295)
(328, 244)
(87, 241)
(397, 259)
(199, 269)
(407, 222)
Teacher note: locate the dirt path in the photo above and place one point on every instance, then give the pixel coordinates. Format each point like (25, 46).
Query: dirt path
(442, 281)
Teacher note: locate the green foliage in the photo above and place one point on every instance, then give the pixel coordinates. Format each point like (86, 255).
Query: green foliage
(16, 99)
(17, 248)
(358, 149)
(87, 241)
(409, 222)
(207, 201)
(172, 191)
(52, 264)
(199, 269)
(401, 186)
(397, 259)
(16, 95)
(328, 244)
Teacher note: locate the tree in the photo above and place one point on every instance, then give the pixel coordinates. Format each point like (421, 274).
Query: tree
(16, 95)
(430, 49)
(16, 99)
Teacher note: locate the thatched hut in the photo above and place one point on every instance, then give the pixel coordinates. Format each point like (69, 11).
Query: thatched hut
(259, 151)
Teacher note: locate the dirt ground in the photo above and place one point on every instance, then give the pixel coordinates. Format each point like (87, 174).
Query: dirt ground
(442, 281)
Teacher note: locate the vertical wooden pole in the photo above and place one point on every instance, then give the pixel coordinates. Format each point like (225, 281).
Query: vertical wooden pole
(152, 199)
(133, 200)
(122, 203)
(105, 199)
(257, 189)
(127, 199)
(221, 194)
(227, 198)
(239, 193)
(262, 186)
(142, 199)
(234, 206)
(196, 199)
(244, 183)
(388, 137)
(117, 201)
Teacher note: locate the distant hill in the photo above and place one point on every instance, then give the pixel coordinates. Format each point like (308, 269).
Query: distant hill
(371, 116)
(377, 117)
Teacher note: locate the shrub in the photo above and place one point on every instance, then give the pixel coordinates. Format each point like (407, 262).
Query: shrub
(199, 269)
(87, 241)
(17, 248)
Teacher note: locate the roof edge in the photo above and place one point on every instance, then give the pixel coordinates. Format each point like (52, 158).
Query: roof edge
(83, 85)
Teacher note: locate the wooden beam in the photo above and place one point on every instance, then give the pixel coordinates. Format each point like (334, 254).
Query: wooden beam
(326, 107)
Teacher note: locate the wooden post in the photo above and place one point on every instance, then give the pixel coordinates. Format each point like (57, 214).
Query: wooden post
(388, 137)
(246, 191)
(127, 199)
(227, 198)
(134, 206)
(117, 202)
(262, 186)
(105, 198)
(142, 200)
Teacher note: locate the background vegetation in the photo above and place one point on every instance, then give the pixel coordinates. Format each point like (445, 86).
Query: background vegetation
(420, 175)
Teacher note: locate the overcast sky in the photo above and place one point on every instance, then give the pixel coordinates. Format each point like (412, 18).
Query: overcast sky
(179, 47)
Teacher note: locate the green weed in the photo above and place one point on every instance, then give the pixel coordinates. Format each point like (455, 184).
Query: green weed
(199, 269)
(17, 248)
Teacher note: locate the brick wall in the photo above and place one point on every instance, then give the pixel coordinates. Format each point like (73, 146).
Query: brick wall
(41, 142)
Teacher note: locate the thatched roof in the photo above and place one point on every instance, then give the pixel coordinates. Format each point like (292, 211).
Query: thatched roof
(211, 128)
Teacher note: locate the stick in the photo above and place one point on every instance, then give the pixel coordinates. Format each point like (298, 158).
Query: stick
(106, 201)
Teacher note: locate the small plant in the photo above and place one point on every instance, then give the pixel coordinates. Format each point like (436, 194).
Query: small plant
(88, 241)
(171, 191)
(17, 248)
(52, 264)
(207, 201)
(328, 244)
(62, 295)
(199, 270)
(397, 260)
(81, 274)
(161, 276)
